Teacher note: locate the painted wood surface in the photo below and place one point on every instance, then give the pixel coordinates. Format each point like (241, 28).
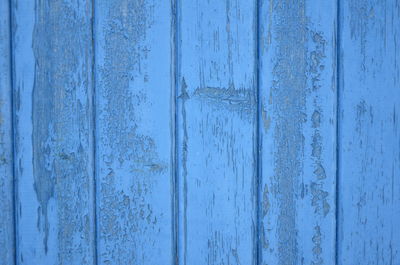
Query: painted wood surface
(52, 54)
(216, 91)
(369, 135)
(298, 132)
(7, 243)
(199, 132)
(134, 125)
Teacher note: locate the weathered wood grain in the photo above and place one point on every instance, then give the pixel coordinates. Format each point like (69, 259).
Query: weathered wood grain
(369, 103)
(6, 150)
(297, 131)
(194, 132)
(216, 89)
(53, 131)
(134, 142)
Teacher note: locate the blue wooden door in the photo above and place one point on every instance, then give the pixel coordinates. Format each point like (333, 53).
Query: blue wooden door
(193, 132)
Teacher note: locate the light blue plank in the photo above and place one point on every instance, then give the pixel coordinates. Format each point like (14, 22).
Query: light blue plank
(53, 131)
(7, 250)
(134, 142)
(217, 132)
(369, 202)
(297, 130)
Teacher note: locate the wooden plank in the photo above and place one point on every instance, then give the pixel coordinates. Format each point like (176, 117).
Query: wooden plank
(7, 249)
(297, 131)
(217, 133)
(369, 195)
(53, 131)
(134, 143)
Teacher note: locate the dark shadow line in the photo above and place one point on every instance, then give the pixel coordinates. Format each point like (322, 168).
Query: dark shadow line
(337, 187)
(13, 132)
(94, 132)
(258, 135)
(174, 134)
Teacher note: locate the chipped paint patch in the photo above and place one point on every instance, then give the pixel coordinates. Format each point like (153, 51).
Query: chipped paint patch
(288, 97)
(62, 169)
(241, 100)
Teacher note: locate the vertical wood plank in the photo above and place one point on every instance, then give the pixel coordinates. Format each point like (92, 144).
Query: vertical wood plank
(134, 143)
(369, 154)
(217, 132)
(297, 131)
(7, 250)
(53, 131)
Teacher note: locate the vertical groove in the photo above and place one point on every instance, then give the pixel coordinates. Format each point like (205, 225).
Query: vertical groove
(175, 174)
(95, 258)
(337, 191)
(258, 135)
(13, 151)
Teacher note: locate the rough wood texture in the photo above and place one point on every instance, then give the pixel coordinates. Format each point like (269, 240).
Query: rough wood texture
(297, 130)
(134, 142)
(53, 131)
(369, 103)
(6, 151)
(192, 132)
(217, 131)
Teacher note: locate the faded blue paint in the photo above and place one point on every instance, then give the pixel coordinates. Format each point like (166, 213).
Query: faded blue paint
(369, 150)
(298, 131)
(134, 143)
(199, 132)
(52, 56)
(216, 129)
